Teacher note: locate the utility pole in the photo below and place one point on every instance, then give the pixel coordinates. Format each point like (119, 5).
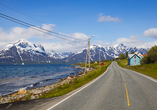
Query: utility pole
(89, 49)
(99, 59)
(89, 52)
(86, 61)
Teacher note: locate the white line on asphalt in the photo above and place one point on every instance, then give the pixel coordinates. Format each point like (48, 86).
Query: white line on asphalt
(8, 105)
(148, 77)
(79, 90)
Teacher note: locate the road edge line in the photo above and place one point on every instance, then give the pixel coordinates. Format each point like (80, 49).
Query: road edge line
(79, 89)
(148, 77)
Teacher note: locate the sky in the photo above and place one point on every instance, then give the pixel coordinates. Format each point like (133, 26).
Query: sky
(131, 22)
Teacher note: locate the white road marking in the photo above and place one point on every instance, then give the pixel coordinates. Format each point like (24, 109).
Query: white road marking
(79, 90)
(9, 105)
(148, 77)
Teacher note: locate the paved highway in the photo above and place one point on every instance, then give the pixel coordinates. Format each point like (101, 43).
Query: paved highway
(117, 89)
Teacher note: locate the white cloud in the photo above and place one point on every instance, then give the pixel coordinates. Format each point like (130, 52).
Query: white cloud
(67, 46)
(60, 45)
(152, 32)
(17, 33)
(148, 44)
(63, 46)
(132, 41)
(80, 36)
(49, 42)
(102, 43)
(103, 18)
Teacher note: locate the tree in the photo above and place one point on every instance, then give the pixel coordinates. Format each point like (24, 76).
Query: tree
(132, 52)
(151, 56)
(126, 54)
(144, 60)
(121, 56)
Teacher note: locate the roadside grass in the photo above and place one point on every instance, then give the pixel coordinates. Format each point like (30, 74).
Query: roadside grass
(78, 82)
(149, 69)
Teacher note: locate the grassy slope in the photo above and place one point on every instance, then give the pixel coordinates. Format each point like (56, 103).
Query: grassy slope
(149, 69)
(78, 82)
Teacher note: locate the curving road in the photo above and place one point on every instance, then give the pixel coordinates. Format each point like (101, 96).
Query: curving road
(117, 89)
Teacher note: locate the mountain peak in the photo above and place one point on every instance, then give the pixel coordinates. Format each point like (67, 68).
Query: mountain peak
(121, 46)
(21, 40)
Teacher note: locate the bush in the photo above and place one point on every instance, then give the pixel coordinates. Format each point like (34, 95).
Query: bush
(144, 60)
(121, 56)
(151, 56)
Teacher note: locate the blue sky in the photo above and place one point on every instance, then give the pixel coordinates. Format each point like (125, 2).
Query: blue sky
(132, 22)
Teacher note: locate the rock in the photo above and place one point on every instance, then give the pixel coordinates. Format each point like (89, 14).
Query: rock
(62, 79)
(69, 78)
(2, 100)
(80, 73)
(72, 76)
(71, 73)
(36, 96)
(22, 91)
(32, 97)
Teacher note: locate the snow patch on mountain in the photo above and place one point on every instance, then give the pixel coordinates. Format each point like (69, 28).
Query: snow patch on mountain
(105, 52)
(57, 55)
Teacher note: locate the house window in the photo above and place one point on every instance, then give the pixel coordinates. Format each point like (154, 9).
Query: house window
(135, 61)
(134, 57)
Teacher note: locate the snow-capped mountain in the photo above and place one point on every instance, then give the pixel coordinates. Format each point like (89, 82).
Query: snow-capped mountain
(105, 52)
(57, 55)
(24, 52)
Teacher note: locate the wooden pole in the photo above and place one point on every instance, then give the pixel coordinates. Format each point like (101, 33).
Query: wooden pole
(86, 61)
(89, 52)
(99, 59)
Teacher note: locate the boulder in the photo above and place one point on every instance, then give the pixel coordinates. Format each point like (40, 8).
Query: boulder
(22, 91)
(80, 73)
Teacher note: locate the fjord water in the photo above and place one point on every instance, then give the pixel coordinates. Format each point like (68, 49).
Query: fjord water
(14, 77)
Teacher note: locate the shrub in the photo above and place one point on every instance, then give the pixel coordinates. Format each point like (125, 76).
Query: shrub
(121, 56)
(151, 56)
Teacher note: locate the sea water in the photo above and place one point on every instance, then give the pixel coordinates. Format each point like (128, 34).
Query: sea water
(14, 77)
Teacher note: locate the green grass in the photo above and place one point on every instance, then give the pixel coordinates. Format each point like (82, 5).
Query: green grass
(78, 82)
(149, 69)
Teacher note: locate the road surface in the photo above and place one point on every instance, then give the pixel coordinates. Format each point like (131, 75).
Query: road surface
(117, 89)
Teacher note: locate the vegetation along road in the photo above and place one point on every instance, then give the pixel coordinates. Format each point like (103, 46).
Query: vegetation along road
(116, 89)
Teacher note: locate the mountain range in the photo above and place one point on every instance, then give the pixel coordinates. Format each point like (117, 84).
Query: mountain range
(25, 52)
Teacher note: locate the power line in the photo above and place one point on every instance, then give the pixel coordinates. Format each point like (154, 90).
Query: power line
(34, 27)
(28, 16)
(21, 13)
(39, 27)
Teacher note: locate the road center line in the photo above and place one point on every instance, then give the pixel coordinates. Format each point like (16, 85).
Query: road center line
(127, 95)
(121, 75)
(125, 89)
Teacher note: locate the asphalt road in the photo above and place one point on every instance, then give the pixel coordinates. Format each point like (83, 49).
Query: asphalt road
(117, 89)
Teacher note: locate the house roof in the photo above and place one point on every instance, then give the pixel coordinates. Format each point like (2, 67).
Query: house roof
(101, 63)
(132, 55)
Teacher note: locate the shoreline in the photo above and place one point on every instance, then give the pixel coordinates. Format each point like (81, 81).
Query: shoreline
(35, 93)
